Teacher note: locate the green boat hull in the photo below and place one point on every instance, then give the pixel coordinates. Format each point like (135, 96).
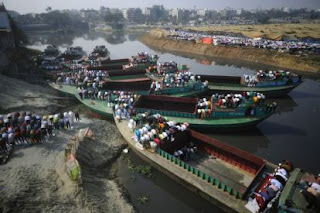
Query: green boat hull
(277, 91)
(96, 106)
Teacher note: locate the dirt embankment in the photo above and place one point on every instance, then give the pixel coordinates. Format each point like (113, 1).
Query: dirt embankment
(260, 56)
(35, 178)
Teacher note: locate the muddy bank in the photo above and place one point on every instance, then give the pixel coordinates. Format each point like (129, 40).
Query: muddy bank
(260, 56)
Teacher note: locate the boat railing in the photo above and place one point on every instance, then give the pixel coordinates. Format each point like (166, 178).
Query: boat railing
(214, 181)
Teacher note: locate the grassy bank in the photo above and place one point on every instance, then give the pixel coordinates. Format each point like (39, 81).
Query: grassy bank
(157, 39)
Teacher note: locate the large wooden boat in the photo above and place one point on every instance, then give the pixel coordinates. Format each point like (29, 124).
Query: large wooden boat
(97, 106)
(232, 84)
(183, 110)
(218, 172)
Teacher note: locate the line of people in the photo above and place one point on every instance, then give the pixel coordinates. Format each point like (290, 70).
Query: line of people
(25, 128)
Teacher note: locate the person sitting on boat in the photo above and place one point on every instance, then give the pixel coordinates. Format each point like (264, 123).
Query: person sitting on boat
(311, 193)
(274, 185)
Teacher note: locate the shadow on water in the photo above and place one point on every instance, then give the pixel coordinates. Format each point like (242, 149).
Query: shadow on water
(284, 104)
(302, 94)
(274, 128)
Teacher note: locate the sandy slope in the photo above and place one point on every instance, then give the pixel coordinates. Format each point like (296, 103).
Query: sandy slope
(18, 94)
(34, 179)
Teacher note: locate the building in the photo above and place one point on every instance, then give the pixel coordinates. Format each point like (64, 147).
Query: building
(89, 14)
(202, 12)
(157, 12)
(176, 13)
(133, 15)
(146, 11)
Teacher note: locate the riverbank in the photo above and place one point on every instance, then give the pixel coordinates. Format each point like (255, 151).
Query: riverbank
(35, 180)
(157, 39)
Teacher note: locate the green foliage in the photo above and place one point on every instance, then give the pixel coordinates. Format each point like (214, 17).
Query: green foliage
(115, 20)
(57, 19)
(143, 199)
(145, 170)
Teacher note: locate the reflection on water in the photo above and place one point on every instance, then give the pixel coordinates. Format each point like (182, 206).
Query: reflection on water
(290, 133)
(165, 194)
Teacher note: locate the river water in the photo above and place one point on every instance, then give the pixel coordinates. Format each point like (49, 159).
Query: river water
(291, 133)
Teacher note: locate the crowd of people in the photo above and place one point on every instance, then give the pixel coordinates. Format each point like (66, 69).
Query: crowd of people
(144, 57)
(179, 79)
(153, 131)
(290, 46)
(269, 76)
(274, 186)
(228, 101)
(25, 128)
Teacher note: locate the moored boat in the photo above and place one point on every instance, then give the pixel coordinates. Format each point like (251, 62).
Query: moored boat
(99, 53)
(208, 115)
(274, 84)
(74, 53)
(51, 53)
(218, 172)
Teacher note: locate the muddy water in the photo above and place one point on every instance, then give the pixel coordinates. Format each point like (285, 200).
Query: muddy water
(291, 133)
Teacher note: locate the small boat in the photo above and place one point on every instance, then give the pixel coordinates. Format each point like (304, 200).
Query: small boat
(51, 53)
(271, 86)
(100, 53)
(206, 115)
(222, 174)
(74, 53)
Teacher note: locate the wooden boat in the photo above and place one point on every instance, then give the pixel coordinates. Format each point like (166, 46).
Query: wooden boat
(50, 53)
(74, 53)
(232, 84)
(97, 106)
(128, 80)
(185, 110)
(222, 174)
(121, 61)
(100, 53)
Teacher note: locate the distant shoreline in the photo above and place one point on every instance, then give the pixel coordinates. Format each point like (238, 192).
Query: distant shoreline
(261, 56)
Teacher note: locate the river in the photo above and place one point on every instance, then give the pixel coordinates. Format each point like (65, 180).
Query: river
(291, 133)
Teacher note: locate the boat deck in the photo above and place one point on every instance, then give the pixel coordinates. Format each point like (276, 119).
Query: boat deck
(228, 174)
(95, 105)
(234, 177)
(167, 103)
